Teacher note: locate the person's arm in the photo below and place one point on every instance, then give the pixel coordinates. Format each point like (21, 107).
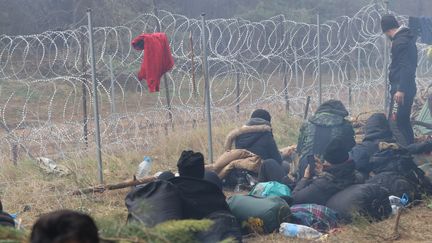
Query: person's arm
(360, 155)
(273, 149)
(300, 141)
(349, 135)
(407, 67)
(306, 191)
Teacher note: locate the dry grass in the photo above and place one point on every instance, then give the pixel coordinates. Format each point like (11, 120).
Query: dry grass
(25, 185)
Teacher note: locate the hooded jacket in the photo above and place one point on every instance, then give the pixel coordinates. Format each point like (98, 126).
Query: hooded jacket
(320, 189)
(404, 62)
(328, 123)
(259, 143)
(376, 130)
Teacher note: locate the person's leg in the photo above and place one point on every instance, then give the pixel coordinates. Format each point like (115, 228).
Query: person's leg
(404, 120)
(271, 170)
(396, 122)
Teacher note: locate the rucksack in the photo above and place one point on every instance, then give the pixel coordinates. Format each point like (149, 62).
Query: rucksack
(270, 189)
(369, 200)
(396, 184)
(259, 215)
(315, 216)
(154, 203)
(199, 198)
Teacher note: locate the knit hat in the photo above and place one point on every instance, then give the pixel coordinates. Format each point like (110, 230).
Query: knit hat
(389, 22)
(336, 152)
(191, 164)
(261, 113)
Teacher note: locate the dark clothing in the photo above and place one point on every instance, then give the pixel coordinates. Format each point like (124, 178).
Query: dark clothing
(199, 198)
(259, 143)
(320, 189)
(422, 27)
(271, 170)
(191, 164)
(404, 63)
(328, 123)
(402, 78)
(401, 127)
(376, 130)
(213, 178)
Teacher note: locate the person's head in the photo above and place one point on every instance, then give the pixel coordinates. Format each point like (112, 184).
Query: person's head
(191, 164)
(389, 25)
(335, 107)
(377, 125)
(336, 152)
(64, 226)
(262, 114)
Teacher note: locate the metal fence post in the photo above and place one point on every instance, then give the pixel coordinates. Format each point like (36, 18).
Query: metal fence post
(84, 91)
(386, 64)
(167, 92)
(284, 68)
(113, 105)
(207, 87)
(319, 57)
(95, 96)
(238, 91)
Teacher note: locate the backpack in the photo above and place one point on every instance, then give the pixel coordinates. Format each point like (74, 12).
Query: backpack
(315, 216)
(154, 203)
(395, 183)
(270, 189)
(259, 215)
(369, 200)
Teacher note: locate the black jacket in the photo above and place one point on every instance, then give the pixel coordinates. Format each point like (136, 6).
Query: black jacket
(259, 143)
(320, 189)
(376, 130)
(404, 62)
(327, 123)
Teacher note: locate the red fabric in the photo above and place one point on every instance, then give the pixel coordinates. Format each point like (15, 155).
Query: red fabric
(157, 58)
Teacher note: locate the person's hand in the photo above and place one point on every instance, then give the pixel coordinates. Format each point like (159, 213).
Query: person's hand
(307, 173)
(399, 97)
(318, 166)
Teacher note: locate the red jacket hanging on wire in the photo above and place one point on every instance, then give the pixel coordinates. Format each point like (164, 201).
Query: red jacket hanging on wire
(157, 58)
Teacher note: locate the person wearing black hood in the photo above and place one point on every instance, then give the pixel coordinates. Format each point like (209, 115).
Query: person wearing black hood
(334, 175)
(402, 75)
(375, 131)
(327, 123)
(259, 143)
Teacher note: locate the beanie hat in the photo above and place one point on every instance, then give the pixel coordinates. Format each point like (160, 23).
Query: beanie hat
(336, 152)
(388, 22)
(261, 113)
(191, 164)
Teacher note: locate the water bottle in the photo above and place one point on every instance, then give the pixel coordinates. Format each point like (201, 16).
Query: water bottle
(299, 231)
(144, 168)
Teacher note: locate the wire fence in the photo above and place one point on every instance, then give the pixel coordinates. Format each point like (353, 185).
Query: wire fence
(46, 91)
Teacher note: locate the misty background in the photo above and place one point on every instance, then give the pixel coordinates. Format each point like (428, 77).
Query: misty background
(19, 17)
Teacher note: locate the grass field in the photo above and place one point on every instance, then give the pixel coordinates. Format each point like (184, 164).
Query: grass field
(26, 185)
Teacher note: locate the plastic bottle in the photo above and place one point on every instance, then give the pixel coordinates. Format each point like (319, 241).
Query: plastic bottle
(144, 168)
(299, 231)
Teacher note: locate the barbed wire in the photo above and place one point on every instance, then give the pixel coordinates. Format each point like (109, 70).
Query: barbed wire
(43, 77)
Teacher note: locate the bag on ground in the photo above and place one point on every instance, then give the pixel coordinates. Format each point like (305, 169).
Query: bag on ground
(318, 217)
(154, 203)
(259, 215)
(368, 200)
(270, 189)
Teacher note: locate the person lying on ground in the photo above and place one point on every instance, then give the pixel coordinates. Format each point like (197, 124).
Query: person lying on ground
(376, 130)
(259, 143)
(334, 175)
(327, 123)
(65, 226)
